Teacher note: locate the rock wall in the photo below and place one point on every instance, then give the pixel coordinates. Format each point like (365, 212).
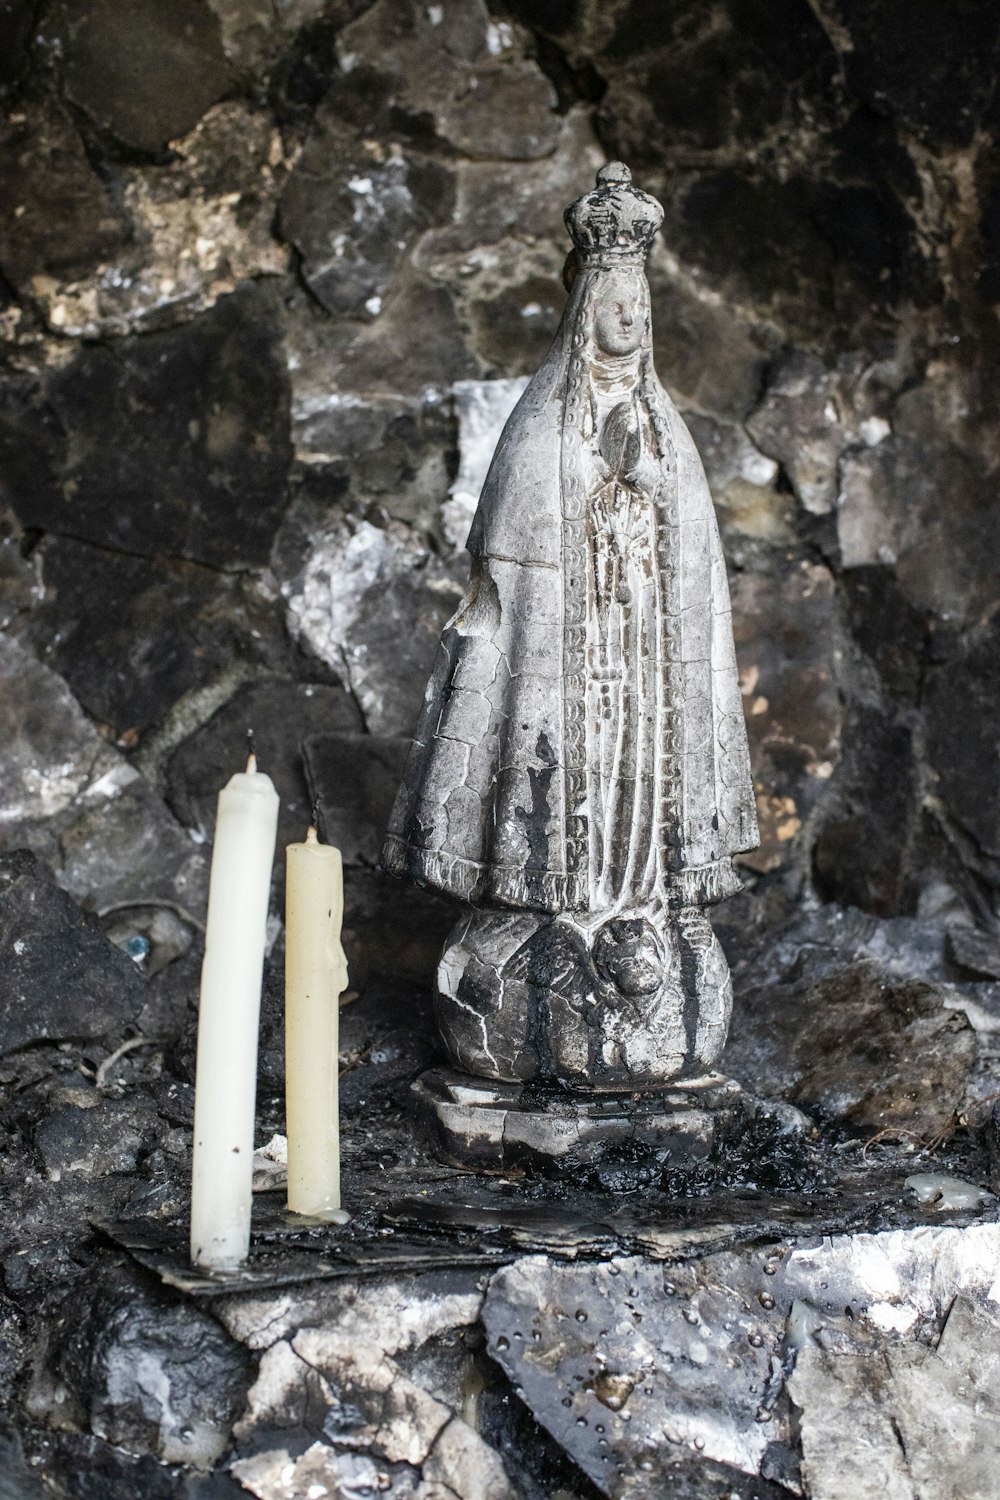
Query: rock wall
(270, 276)
(272, 272)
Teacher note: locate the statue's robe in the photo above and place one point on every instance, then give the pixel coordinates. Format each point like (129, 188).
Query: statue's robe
(509, 773)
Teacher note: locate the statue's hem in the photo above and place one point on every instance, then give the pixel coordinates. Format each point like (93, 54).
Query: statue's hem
(539, 890)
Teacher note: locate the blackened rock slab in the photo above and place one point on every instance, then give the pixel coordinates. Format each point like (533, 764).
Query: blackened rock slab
(106, 1137)
(132, 635)
(144, 1370)
(963, 741)
(628, 1365)
(56, 215)
(174, 443)
(147, 71)
(17, 1481)
(484, 99)
(927, 68)
(282, 716)
(858, 1045)
(632, 1366)
(787, 640)
(88, 1468)
(60, 977)
(862, 853)
(354, 777)
(340, 181)
(979, 952)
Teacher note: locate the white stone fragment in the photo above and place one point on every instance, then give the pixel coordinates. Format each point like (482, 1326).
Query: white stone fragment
(482, 408)
(276, 1149)
(873, 430)
(890, 1319)
(946, 1193)
(113, 782)
(54, 755)
(319, 1471)
(909, 1422)
(388, 1314)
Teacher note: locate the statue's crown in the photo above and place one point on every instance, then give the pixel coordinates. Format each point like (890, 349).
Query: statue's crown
(614, 224)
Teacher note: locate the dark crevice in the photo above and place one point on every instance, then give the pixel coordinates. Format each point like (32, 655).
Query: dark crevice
(576, 82)
(148, 557)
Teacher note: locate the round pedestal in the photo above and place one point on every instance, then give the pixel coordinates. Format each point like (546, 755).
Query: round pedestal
(632, 1002)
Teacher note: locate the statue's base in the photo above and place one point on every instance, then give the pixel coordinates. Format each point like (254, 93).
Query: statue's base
(494, 1126)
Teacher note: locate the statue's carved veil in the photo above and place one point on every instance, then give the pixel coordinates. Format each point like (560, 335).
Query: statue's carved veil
(498, 795)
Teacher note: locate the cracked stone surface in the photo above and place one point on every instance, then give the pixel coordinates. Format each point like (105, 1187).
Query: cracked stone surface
(269, 277)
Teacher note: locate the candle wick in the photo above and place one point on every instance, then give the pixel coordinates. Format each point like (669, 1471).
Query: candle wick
(312, 836)
(251, 753)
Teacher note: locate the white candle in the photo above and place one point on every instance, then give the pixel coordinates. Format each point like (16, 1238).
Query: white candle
(315, 975)
(229, 1020)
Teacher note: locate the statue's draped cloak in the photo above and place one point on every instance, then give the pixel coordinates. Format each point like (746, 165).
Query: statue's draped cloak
(493, 806)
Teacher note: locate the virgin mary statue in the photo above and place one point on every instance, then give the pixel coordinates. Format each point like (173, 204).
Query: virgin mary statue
(581, 756)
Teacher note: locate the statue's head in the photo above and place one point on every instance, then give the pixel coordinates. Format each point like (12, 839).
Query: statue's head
(612, 229)
(621, 311)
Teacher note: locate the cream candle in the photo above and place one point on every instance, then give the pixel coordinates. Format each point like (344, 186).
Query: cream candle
(229, 1019)
(315, 975)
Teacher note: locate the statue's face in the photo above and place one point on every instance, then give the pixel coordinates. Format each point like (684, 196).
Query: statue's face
(620, 316)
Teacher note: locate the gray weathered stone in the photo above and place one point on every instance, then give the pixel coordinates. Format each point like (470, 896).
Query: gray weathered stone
(353, 1367)
(923, 1421)
(858, 1046)
(72, 798)
(142, 1369)
(631, 1365)
(379, 642)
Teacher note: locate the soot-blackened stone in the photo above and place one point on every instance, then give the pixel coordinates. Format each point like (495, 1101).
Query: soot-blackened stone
(859, 1046)
(756, 54)
(145, 1371)
(860, 856)
(976, 952)
(963, 739)
(92, 1142)
(132, 635)
(763, 232)
(930, 66)
(146, 71)
(353, 778)
(352, 215)
(17, 22)
(871, 233)
(887, 627)
(60, 977)
(173, 443)
(282, 715)
(56, 215)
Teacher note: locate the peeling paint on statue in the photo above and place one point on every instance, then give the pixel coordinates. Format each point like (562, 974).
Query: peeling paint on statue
(580, 774)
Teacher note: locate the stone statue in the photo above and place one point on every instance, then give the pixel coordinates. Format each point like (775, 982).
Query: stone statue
(579, 776)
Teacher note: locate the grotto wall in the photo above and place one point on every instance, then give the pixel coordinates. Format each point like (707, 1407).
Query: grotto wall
(272, 273)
